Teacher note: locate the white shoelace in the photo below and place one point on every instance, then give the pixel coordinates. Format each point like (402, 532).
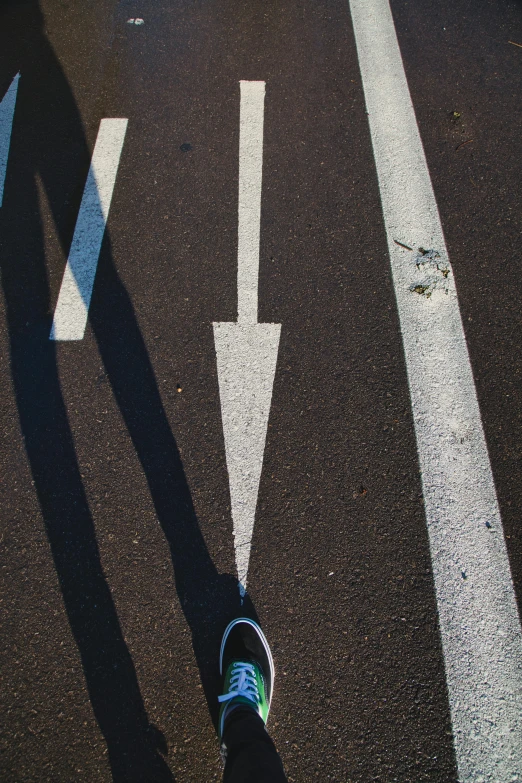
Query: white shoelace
(242, 683)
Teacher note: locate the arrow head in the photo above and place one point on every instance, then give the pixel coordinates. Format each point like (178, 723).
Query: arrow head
(246, 362)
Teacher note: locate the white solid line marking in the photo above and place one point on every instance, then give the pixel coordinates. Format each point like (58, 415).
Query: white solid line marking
(70, 316)
(7, 107)
(479, 623)
(246, 351)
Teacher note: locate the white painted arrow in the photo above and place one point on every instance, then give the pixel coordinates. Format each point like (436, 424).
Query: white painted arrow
(246, 351)
(7, 107)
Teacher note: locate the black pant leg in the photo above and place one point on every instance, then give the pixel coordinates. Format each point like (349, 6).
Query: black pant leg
(251, 754)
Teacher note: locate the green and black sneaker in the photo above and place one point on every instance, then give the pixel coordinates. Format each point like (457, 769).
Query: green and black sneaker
(246, 661)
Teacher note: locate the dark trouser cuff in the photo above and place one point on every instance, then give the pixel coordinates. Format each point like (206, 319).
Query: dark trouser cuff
(251, 754)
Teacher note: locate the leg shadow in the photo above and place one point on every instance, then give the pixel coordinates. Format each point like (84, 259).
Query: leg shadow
(48, 142)
(208, 599)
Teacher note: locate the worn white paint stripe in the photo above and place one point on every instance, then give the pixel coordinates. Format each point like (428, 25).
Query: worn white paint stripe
(7, 107)
(479, 623)
(70, 317)
(249, 207)
(246, 351)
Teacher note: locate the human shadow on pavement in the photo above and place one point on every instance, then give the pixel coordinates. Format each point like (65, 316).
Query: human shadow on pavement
(48, 144)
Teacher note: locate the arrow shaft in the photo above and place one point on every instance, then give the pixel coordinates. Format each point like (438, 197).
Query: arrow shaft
(249, 207)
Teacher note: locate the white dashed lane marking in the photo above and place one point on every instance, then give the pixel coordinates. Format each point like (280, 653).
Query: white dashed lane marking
(246, 351)
(70, 317)
(479, 622)
(7, 107)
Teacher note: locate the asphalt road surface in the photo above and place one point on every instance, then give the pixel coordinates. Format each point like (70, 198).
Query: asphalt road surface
(335, 465)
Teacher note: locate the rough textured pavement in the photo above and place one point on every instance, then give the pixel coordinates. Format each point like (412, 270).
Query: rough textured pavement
(118, 562)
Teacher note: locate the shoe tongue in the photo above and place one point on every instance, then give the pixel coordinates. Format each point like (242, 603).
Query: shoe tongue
(244, 659)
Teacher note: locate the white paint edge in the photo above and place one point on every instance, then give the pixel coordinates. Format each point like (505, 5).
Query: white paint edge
(7, 108)
(70, 316)
(479, 622)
